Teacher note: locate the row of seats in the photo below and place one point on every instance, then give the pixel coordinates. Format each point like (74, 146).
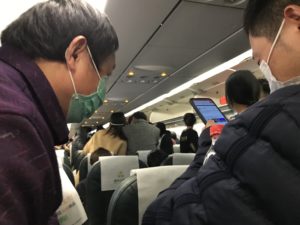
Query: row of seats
(97, 199)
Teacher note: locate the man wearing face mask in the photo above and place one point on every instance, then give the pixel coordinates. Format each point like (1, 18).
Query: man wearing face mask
(53, 63)
(255, 176)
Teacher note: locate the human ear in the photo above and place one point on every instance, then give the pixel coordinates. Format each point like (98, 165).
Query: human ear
(292, 14)
(76, 47)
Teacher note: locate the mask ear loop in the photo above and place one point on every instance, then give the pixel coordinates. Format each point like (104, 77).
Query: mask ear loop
(93, 62)
(71, 77)
(275, 40)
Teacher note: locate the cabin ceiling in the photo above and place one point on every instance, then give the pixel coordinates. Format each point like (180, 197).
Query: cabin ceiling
(180, 38)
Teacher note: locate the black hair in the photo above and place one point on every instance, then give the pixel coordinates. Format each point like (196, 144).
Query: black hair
(47, 29)
(264, 17)
(264, 86)
(162, 127)
(97, 153)
(117, 121)
(139, 115)
(189, 119)
(242, 87)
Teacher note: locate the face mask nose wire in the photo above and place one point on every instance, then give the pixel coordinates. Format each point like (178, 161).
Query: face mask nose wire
(275, 40)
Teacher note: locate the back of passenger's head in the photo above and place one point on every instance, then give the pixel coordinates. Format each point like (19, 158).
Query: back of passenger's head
(117, 122)
(264, 17)
(46, 30)
(264, 87)
(139, 115)
(242, 88)
(189, 119)
(100, 152)
(162, 127)
(117, 119)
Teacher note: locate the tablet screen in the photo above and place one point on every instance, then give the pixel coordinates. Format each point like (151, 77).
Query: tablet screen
(207, 110)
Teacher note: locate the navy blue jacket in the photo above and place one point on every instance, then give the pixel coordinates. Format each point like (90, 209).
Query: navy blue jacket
(255, 177)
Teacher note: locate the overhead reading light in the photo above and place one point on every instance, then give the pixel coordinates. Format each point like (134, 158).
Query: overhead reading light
(105, 101)
(126, 101)
(163, 74)
(202, 77)
(99, 4)
(130, 73)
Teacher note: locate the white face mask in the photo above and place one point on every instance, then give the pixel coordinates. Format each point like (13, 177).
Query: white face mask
(265, 69)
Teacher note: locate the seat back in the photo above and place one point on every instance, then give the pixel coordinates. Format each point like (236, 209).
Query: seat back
(143, 155)
(85, 167)
(103, 178)
(179, 159)
(176, 148)
(133, 196)
(69, 173)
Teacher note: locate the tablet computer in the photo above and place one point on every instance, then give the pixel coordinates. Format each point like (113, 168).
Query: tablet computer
(208, 110)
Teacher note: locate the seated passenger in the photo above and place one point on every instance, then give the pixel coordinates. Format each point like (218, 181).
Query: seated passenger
(112, 138)
(189, 137)
(81, 187)
(140, 134)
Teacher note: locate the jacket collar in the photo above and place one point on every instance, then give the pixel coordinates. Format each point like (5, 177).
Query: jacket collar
(43, 94)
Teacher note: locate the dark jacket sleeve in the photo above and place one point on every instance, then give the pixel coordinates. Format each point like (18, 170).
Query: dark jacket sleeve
(27, 183)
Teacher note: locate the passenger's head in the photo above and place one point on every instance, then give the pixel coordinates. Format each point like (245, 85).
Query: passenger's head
(117, 122)
(264, 88)
(99, 153)
(48, 28)
(139, 115)
(242, 89)
(264, 19)
(189, 119)
(57, 34)
(162, 127)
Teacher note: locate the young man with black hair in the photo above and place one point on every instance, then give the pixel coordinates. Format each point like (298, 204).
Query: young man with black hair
(51, 57)
(189, 137)
(255, 176)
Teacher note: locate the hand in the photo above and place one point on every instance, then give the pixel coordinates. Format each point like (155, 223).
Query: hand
(209, 123)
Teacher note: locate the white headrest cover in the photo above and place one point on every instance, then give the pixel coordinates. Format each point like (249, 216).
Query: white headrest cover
(143, 155)
(183, 158)
(114, 169)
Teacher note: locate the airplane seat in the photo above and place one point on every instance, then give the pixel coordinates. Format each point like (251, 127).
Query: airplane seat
(176, 148)
(84, 167)
(66, 161)
(179, 159)
(102, 180)
(77, 160)
(143, 155)
(69, 173)
(132, 197)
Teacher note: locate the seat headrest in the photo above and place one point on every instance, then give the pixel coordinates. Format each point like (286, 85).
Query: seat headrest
(143, 154)
(183, 158)
(114, 169)
(151, 181)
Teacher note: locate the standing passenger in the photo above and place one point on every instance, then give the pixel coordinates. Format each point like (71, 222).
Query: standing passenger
(189, 137)
(53, 63)
(140, 134)
(113, 139)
